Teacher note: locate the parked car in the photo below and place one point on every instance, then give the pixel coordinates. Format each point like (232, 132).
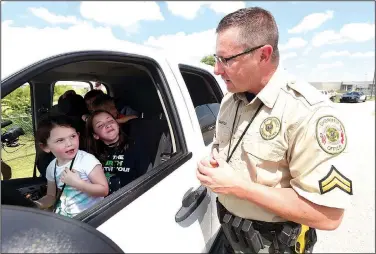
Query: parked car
(166, 209)
(353, 97)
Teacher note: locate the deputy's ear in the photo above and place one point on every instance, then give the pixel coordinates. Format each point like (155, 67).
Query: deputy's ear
(266, 53)
(96, 136)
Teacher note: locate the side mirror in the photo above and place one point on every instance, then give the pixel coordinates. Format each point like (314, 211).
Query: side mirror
(29, 230)
(207, 116)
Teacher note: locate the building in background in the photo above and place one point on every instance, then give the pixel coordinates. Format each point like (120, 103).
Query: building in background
(367, 87)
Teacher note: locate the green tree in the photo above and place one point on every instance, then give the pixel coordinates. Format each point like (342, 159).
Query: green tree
(62, 88)
(209, 60)
(17, 102)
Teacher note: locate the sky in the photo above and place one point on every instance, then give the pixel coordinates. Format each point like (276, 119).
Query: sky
(318, 41)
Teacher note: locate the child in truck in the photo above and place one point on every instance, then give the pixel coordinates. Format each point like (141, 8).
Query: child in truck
(123, 159)
(75, 178)
(107, 103)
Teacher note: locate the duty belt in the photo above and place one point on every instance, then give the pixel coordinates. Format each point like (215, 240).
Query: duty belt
(251, 236)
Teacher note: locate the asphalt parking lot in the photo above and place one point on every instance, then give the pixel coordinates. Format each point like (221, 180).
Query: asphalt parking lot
(356, 234)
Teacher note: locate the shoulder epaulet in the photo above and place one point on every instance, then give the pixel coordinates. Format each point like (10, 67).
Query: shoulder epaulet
(305, 89)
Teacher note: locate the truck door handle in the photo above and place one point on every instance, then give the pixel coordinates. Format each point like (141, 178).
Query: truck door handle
(190, 203)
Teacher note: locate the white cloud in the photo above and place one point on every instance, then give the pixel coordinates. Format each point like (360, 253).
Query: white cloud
(324, 66)
(123, 14)
(187, 10)
(288, 55)
(190, 9)
(52, 18)
(358, 32)
(306, 51)
(18, 52)
(226, 7)
(327, 37)
(353, 32)
(295, 42)
(6, 23)
(330, 54)
(300, 66)
(364, 54)
(193, 46)
(311, 22)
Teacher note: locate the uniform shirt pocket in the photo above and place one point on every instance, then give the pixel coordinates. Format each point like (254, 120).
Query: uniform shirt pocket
(266, 157)
(223, 133)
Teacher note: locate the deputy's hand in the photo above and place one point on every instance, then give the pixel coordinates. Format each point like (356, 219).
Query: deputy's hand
(219, 178)
(71, 178)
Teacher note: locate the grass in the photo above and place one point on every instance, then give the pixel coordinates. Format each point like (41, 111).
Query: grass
(20, 159)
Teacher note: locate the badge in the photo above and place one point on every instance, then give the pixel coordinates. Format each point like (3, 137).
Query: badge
(334, 179)
(270, 128)
(330, 134)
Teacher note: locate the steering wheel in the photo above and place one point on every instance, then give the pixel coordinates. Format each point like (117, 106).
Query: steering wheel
(11, 196)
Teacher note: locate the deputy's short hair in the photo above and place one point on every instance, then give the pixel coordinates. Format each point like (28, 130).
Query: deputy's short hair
(257, 27)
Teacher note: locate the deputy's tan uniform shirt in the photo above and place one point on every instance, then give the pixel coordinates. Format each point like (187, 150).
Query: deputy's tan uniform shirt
(296, 140)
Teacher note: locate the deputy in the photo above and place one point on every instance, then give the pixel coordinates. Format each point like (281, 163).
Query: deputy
(278, 162)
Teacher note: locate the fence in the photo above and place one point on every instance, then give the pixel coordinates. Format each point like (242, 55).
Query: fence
(20, 158)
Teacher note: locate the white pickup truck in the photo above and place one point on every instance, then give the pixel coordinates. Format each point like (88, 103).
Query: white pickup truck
(164, 210)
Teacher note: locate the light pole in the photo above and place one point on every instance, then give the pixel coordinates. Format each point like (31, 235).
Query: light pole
(373, 83)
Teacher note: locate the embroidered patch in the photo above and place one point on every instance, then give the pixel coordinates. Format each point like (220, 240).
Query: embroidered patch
(334, 179)
(270, 128)
(330, 134)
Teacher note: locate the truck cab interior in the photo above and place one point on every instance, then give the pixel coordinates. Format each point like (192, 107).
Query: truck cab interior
(132, 82)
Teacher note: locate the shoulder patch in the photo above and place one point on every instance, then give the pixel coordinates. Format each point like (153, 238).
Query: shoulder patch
(334, 179)
(330, 134)
(270, 128)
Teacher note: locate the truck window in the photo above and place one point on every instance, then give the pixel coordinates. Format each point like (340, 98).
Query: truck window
(79, 87)
(18, 151)
(206, 97)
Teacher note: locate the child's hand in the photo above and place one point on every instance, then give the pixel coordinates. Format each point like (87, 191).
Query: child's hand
(126, 118)
(38, 204)
(71, 178)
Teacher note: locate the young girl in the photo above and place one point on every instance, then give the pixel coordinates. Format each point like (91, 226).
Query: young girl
(120, 156)
(85, 184)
